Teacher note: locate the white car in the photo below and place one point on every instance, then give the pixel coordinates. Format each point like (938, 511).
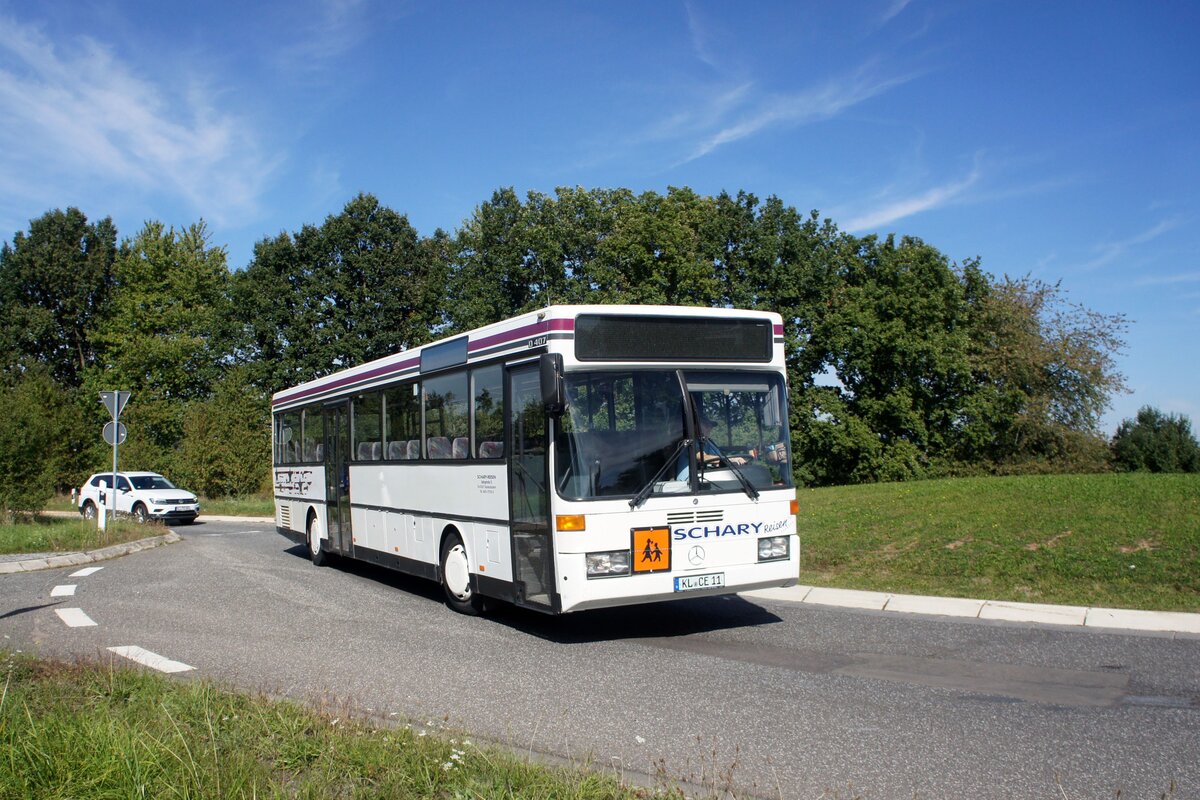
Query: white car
(143, 495)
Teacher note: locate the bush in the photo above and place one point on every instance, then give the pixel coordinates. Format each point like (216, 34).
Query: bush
(226, 447)
(34, 431)
(1156, 442)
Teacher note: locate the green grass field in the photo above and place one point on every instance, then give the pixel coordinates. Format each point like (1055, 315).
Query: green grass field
(1124, 541)
(249, 506)
(58, 535)
(258, 505)
(100, 731)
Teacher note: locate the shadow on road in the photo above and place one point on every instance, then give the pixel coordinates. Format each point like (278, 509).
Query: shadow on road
(654, 620)
(651, 621)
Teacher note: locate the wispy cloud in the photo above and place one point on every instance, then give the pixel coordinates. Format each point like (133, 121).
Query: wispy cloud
(699, 33)
(321, 31)
(1108, 252)
(744, 111)
(75, 114)
(897, 208)
(1177, 279)
(892, 11)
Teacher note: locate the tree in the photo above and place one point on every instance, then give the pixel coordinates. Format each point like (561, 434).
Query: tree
(226, 445)
(54, 282)
(887, 322)
(36, 420)
(491, 278)
(1156, 442)
(1044, 371)
(164, 336)
(355, 289)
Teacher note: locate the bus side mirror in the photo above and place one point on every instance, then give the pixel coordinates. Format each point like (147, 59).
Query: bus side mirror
(554, 394)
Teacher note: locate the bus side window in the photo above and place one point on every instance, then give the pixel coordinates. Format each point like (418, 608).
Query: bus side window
(487, 388)
(368, 411)
(446, 415)
(402, 422)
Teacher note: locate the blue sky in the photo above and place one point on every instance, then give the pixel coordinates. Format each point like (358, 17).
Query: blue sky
(1058, 139)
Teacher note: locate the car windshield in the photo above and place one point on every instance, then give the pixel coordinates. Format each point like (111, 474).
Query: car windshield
(150, 482)
(652, 432)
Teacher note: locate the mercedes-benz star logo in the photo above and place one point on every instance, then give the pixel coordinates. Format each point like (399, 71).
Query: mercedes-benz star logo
(696, 555)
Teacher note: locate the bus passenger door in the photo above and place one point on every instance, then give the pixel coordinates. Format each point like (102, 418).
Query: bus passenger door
(528, 479)
(337, 477)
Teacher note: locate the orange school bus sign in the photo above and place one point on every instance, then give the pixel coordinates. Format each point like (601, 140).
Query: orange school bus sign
(651, 550)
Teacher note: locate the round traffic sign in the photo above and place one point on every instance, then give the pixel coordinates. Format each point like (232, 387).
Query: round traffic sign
(115, 433)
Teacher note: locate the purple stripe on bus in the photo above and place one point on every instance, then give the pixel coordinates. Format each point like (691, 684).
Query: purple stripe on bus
(523, 333)
(479, 344)
(381, 371)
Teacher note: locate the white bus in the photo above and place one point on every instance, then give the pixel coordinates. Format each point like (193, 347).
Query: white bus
(570, 458)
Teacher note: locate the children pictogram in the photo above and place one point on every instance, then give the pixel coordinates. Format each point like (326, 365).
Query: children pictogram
(651, 549)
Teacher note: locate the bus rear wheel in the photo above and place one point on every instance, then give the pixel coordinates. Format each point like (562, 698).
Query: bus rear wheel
(318, 556)
(456, 578)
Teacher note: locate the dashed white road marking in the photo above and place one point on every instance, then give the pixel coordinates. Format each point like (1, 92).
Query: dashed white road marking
(63, 590)
(148, 659)
(83, 573)
(74, 617)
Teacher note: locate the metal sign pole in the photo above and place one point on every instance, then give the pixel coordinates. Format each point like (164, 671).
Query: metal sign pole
(115, 403)
(113, 493)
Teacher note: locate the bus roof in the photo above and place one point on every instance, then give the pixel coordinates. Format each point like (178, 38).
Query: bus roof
(550, 328)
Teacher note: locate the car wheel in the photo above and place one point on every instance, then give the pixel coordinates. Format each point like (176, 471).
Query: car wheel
(456, 578)
(319, 557)
(139, 514)
(88, 510)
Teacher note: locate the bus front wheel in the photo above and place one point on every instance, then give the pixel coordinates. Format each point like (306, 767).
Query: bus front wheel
(456, 578)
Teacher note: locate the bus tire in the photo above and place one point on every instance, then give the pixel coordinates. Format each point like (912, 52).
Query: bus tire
(456, 578)
(319, 557)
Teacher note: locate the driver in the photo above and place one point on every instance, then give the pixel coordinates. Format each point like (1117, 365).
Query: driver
(711, 454)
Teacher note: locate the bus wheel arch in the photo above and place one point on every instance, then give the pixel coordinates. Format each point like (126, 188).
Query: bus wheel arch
(455, 572)
(312, 533)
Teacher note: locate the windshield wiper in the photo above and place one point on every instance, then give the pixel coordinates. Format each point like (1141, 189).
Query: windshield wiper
(747, 487)
(641, 496)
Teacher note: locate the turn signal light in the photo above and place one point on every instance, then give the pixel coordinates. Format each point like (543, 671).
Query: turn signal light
(570, 522)
(795, 507)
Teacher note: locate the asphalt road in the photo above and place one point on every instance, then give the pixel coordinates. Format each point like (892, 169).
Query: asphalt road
(779, 700)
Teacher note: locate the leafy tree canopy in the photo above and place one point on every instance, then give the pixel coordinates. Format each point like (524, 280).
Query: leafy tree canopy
(54, 281)
(1156, 442)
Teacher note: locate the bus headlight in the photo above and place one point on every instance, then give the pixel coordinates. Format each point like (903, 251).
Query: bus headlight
(608, 563)
(772, 548)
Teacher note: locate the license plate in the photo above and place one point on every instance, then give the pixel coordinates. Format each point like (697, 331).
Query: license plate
(687, 583)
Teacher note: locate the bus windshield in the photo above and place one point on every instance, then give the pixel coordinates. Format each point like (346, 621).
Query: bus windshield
(658, 432)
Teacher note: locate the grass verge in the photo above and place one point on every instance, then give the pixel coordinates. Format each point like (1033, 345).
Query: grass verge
(248, 506)
(58, 535)
(256, 505)
(101, 731)
(1125, 541)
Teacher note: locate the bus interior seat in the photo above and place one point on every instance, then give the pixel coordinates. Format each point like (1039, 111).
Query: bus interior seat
(414, 449)
(397, 451)
(491, 449)
(459, 448)
(439, 447)
(376, 451)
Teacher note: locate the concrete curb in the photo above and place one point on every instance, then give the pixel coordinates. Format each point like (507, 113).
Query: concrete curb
(1108, 618)
(203, 517)
(57, 560)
